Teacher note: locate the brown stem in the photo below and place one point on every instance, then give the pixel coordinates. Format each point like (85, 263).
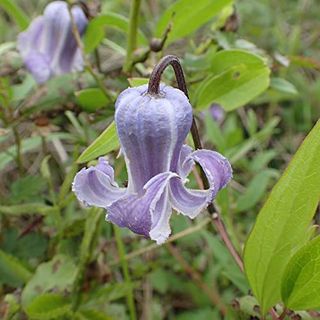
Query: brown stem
(153, 89)
(218, 223)
(283, 314)
(197, 279)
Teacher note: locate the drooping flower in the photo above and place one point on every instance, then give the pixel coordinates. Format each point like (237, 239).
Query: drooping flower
(48, 47)
(152, 129)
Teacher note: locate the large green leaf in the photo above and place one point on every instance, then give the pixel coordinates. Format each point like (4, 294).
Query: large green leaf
(12, 271)
(283, 222)
(186, 16)
(106, 142)
(48, 306)
(16, 13)
(96, 29)
(237, 77)
(301, 279)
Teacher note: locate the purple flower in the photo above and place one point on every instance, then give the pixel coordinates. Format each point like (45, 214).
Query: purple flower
(217, 112)
(152, 130)
(48, 47)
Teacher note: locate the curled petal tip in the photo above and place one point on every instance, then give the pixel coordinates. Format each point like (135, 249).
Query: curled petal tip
(95, 186)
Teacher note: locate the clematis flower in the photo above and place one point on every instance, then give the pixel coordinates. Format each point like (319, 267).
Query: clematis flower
(152, 129)
(48, 47)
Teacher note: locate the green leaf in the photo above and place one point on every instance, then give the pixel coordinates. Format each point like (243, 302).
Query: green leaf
(282, 224)
(106, 142)
(48, 306)
(22, 90)
(31, 245)
(283, 86)
(4, 47)
(92, 315)
(12, 271)
(91, 99)
(135, 82)
(28, 188)
(57, 274)
(15, 13)
(186, 16)
(301, 280)
(214, 133)
(96, 30)
(255, 191)
(238, 77)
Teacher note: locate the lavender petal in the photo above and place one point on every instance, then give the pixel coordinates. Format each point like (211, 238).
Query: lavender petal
(95, 186)
(151, 130)
(147, 214)
(191, 202)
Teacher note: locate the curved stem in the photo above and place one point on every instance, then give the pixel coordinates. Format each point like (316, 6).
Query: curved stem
(153, 89)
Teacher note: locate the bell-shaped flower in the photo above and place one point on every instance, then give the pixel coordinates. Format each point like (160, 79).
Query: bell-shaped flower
(152, 130)
(48, 47)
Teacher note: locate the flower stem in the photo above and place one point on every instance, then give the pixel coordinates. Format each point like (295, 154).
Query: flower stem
(126, 274)
(133, 30)
(153, 89)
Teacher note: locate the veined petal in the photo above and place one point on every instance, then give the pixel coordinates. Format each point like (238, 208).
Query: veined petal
(95, 186)
(146, 214)
(216, 167)
(218, 170)
(28, 44)
(61, 45)
(48, 46)
(186, 162)
(70, 57)
(151, 130)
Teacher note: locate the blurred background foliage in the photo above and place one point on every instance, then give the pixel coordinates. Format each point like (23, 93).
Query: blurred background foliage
(59, 260)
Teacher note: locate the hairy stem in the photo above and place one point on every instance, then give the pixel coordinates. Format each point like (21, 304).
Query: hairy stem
(153, 89)
(126, 274)
(133, 30)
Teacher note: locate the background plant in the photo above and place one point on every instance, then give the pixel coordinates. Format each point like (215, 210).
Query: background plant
(257, 59)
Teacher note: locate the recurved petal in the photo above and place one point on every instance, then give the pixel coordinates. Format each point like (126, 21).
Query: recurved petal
(147, 214)
(186, 162)
(218, 170)
(216, 167)
(95, 186)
